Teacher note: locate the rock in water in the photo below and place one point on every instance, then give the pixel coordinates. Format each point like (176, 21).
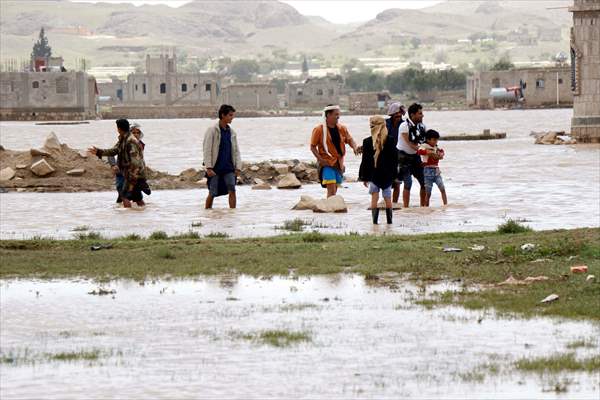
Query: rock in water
(76, 172)
(6, 174)
(21, 166)
(52, 143)
(333, 204)
(305, 203)
(289, 181)
(41, 168)
(261, 186)
(83, 153)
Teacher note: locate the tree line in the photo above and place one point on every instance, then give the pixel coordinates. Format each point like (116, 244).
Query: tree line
(412, 79)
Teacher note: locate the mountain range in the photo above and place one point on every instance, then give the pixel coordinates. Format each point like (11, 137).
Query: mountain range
(121, 34)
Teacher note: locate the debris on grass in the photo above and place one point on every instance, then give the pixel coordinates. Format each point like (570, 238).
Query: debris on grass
(529, 280)
(550, 298)
(579, 269)
(528, 247)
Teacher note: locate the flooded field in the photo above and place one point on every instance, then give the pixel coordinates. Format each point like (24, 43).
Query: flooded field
(487, 181)
(283, 337)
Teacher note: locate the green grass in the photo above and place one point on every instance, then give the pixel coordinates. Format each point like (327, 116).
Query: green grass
(217, 235)
(75, 356)
(158, 235)
(275, 338)
(25, 356)
(294, 225)
(559, 363)
(313, 237)
(165, 253)
(132, 236)
(513, 226)
(589, 343)
(186, 235)
(89, 236)
(417, 257)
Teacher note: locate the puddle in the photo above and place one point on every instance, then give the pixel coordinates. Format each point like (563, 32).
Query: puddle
(198, 339)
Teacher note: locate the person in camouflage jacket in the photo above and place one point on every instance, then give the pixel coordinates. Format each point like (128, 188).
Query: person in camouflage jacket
(130, 160)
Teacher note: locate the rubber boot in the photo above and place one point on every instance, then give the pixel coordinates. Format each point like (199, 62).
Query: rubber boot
(375, 215)
(388, 215)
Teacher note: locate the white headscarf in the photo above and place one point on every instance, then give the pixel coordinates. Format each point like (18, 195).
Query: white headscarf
(325, 130)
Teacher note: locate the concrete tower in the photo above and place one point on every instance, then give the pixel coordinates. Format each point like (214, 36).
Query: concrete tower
(585, 70)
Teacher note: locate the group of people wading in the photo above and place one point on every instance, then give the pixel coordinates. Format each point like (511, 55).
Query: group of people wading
(397, 150)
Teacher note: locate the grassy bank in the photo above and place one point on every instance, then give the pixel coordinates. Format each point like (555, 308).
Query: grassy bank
(312, 253)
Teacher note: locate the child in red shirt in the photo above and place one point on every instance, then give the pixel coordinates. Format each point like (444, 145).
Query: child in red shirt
(430, 157)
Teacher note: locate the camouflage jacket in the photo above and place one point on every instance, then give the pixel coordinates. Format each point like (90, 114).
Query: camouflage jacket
(130, 159)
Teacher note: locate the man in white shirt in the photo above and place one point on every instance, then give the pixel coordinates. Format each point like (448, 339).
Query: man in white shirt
(410, 134)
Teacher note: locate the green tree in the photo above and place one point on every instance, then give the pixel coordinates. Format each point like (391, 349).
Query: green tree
(243, 70)
(41, 48)
(503, 64)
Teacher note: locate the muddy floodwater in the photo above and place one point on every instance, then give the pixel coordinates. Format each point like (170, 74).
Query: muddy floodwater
(487, 181)
(202, 339)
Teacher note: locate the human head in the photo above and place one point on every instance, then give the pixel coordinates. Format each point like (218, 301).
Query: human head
(332, 116)
(415, 113)
(136, 130)
(396, 111)
(226, 113)
(122, 126)
(432, 137)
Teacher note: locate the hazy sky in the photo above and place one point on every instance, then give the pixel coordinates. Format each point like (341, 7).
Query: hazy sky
(338, 11)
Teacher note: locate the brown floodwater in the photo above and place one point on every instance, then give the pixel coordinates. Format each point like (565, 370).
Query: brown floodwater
(487, 181)
(198, 339)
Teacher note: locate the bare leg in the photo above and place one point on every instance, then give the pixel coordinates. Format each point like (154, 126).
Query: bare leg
(331, 189)
(427, 198)
(406, 197)
(374, 200)
(423, 196)
(209, 202)
(140, 203)
(232, 200)
(126, 203)
(388, 202)
(396, 193)
(444, 198)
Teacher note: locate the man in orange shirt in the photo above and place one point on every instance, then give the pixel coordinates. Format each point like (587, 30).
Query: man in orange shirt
(328, 144)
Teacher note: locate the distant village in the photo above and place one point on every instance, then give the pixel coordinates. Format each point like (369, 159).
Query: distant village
(44, 89)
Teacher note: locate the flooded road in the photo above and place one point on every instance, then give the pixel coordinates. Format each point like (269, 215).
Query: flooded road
(487, 181)
(201, 339)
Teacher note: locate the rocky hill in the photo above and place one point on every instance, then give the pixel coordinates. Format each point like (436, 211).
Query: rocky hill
(121, 34)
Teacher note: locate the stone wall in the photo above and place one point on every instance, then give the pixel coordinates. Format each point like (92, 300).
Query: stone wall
(251, 96)
(585, 56)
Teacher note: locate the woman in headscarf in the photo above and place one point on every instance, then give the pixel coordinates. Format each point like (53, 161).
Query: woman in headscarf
(378, 166)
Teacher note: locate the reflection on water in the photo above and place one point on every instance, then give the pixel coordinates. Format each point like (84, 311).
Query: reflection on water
(183, 339)
(550, 186)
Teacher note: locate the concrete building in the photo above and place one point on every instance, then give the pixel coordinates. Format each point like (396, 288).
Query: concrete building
(585, 70)
(542, 87)
(47, 96)
(161, 85)
(251, 96)
(368, 101)
(314, 92)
